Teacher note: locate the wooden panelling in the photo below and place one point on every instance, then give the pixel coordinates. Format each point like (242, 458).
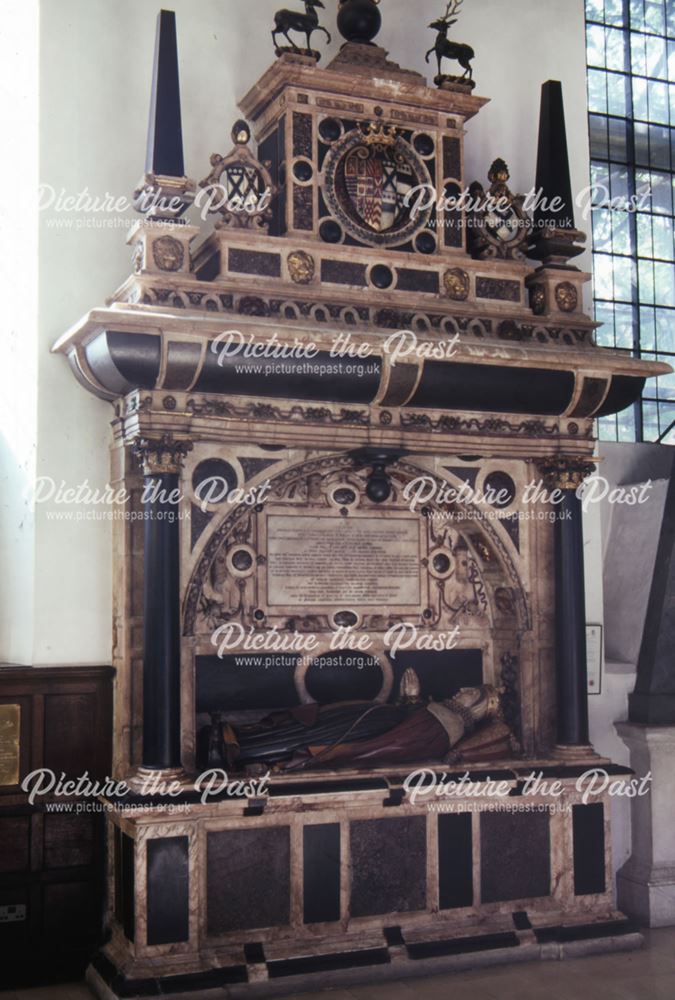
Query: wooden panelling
(68, 840)
(51, 863)
(14, 844)
(70, 737)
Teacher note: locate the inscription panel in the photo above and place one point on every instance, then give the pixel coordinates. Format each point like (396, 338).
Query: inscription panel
(356, 562)
(10, 723)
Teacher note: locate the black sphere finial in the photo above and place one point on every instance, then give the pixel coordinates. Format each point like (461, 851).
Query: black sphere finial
(359, 20)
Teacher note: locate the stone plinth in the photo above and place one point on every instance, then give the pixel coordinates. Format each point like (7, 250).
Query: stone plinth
(646, 883)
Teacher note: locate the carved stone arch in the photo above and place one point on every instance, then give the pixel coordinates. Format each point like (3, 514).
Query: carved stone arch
(496, 536)
(292, 485)
(238, 520)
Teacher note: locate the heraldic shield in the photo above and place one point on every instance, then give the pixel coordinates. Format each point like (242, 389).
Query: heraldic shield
(376, 182)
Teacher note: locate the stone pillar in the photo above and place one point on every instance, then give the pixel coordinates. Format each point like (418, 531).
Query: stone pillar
(646, 883)
(161, 461)
(653, 700)
(566, 475)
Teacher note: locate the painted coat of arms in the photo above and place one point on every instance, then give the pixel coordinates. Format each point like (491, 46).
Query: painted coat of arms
(377, 181)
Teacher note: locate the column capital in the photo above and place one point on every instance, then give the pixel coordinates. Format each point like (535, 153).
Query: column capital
(161, 455)
(565, 472)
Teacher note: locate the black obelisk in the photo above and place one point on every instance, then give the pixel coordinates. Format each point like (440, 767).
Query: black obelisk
(165, 132)
(555, 235)
(553, 165)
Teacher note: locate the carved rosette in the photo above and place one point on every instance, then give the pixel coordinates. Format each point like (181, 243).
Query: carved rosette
(161, 456)
(168, 253)
(565, 472)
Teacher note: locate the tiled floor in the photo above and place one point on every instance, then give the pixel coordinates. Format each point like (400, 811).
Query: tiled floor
(637, 975)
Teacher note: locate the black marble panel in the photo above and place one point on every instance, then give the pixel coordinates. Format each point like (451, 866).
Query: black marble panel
(455, 860)
(302, 135)
(344, 675)
(465, 475)
(214, 469)
(453, 229)
(168, 889)
(452, 158)
(272, 151)
(266, 265)
(126, 883)
(248, 879)
(462, 946)
(441, 674)
(314, 965)
(292, 378)
(243, 682)
(343, 272)
(321, 873)
(498, 288)
(515, 856)
(254, 466)
(303, 211)
(388, 865)
(588, 832)
(412, 280)
(494, 388)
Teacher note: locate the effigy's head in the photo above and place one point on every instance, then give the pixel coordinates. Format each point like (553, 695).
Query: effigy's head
(482, 702)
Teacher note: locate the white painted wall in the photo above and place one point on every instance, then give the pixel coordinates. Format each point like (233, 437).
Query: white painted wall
(18, 330)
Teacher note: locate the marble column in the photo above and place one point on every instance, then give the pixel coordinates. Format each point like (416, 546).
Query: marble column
(161, 461)
(566, 476)
(646, 883)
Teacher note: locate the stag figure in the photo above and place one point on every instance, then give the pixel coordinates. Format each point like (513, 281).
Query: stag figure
(444, 48)
(292, 20)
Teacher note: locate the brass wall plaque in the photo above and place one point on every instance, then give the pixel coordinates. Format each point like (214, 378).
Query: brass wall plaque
(10, 729)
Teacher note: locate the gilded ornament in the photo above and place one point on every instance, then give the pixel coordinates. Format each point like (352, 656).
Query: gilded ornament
(457, 284)
(566, 296)
(301, 267)
(538, 299)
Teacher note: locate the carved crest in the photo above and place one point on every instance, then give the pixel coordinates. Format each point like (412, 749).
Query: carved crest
(239, 187)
